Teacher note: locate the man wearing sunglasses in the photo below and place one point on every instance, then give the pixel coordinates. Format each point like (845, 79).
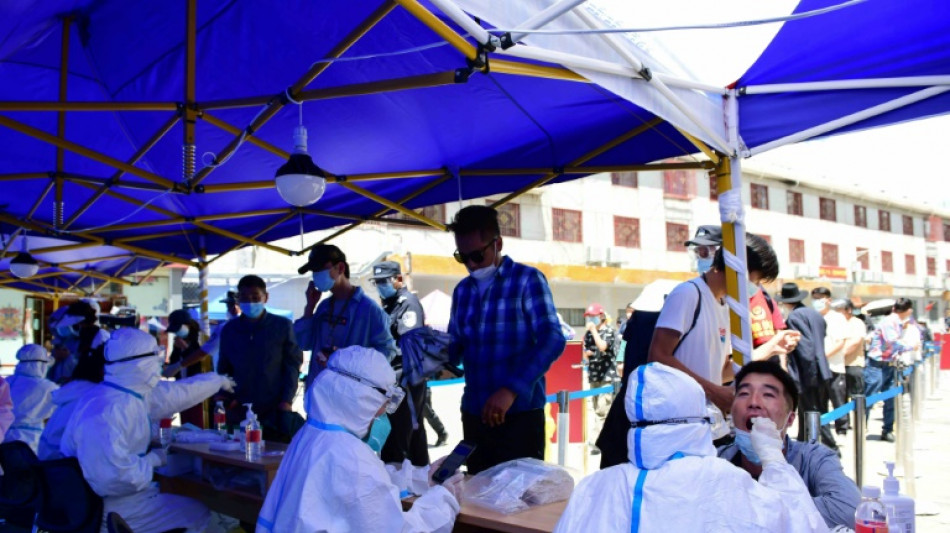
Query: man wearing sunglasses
(505, 331)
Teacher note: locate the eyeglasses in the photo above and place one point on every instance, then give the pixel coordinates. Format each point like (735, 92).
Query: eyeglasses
(704, 251)
(476, 256)
(381, 281)
(394, 395)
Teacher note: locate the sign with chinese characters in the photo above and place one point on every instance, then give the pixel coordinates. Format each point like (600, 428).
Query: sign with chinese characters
(833, 272)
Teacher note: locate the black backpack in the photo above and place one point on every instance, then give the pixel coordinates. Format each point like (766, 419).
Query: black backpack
(612, 440)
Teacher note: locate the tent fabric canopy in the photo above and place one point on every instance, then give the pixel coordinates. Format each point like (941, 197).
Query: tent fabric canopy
(394, 119)
(871, 40)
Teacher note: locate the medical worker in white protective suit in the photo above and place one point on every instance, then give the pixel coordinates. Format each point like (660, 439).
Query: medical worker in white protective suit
(32, 395)
(675, 482)
(109, 433)
(330, 480)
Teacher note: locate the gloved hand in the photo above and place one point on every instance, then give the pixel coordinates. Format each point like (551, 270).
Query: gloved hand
(171, 370)
(766, 440)
(157, 457)
(454, 485)
(434, 467)
(228, 383)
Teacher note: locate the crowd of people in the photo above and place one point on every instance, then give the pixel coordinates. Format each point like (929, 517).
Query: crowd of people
(96, 394)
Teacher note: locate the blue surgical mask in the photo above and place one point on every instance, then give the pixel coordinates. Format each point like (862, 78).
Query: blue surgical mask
(378, 433)
(751, 289)
(703, 264)
(182, 332)
(252, 309)
(386, 290)
(744, 442)
(818, 305)
(322, 280)
(594, 320)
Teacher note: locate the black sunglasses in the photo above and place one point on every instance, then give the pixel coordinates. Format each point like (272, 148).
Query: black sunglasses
(476, 256)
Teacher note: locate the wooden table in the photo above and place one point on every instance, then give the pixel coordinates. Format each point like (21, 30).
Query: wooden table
(245, 505)
(241, 504)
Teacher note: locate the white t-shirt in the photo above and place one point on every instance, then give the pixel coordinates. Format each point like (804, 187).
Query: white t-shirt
(706, 347)
(836, 329)
(857, 329)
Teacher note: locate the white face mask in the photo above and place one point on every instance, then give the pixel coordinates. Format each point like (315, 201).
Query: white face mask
(182, 332)
(819, 305)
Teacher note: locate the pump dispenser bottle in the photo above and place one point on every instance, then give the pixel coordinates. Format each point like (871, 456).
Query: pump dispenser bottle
(902, 506)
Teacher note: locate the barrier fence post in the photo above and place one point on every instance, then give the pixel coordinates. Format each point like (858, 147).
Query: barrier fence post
(859, 430)
(934, 369)
(899, 421)
(812, 426)
(563, 426)
(917, 393)
(906, 439)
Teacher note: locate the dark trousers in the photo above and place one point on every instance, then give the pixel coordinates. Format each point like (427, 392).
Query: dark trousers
(429, 414)
(815, 398)
(521, 435)
(838, 393)
(854, 380)
(404, 442)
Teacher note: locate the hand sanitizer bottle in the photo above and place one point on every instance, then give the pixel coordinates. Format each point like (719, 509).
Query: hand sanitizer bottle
(903, 520)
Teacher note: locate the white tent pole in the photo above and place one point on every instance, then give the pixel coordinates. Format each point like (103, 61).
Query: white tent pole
(454, 12)
(870, 83)
(546, 15)
(851, 119)
(614, 42)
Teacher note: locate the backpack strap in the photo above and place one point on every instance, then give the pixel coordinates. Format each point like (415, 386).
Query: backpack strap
(699, 305)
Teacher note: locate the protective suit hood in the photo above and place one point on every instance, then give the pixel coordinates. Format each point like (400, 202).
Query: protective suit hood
(337, 399)
(657, 392)
(140, 374)
(34, 361)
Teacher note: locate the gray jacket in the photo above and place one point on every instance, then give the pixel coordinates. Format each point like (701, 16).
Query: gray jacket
(835, 494)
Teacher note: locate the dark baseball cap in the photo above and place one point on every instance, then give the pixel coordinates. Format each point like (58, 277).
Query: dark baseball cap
(176, 319)
(320, 255)
(386, 269)
(706, 236)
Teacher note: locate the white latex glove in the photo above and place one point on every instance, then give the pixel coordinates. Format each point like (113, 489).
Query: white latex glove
(454, 485)
(157, 457)
(766, 440)
(228, 383)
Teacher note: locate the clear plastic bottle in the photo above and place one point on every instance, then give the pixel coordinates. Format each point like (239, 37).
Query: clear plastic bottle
(870, 516)
(165, 432)
(254, 446)
(902, 506)
(220, 418)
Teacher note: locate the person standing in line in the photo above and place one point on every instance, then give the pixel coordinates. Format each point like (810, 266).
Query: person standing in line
(347, 318)
(505, 331)
(405, 314)
(853, 347)
(807, 362)
(883, 353)
(260, 351)
(601, 359)
(836, 328)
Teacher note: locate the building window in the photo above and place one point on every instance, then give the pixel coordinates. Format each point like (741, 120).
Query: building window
(676, 235)
(829, 254)
(714, 187)
(679, 184)
(864, 258)
(948, 265)
(509, 219)
(931, 266)
(883, 220)
(760, 196)
(907, 222)
(573, 316)
(624, 179)
(826, 209)
(794, 200)
(860, 216)
(433, 212)
(910, 266)
(887, 262)
(626, 232)
(946, 231)
(796, 250)
(567, 225)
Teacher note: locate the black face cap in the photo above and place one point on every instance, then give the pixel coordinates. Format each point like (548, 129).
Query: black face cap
(176, 319)
(706, 236)
(321, 255)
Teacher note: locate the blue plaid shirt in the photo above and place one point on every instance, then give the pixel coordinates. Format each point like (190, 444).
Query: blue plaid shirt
(508, 339)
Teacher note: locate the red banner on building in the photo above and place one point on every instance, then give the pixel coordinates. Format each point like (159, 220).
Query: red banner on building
(833, 272)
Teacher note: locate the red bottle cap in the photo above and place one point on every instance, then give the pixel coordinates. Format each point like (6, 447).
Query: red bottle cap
(165, 423)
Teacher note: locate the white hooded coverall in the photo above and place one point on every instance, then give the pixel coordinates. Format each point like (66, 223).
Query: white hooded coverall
(109, 433)
(330, 481)
(32, 395)
(6, 408)
(674, 480)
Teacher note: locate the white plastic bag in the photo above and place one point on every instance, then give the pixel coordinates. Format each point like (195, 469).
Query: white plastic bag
(516, 485)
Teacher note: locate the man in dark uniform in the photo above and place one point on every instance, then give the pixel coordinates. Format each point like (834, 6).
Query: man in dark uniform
(408, 438)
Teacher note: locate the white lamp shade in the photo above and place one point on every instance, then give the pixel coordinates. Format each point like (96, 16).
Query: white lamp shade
(24, 266)
(300, 189)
